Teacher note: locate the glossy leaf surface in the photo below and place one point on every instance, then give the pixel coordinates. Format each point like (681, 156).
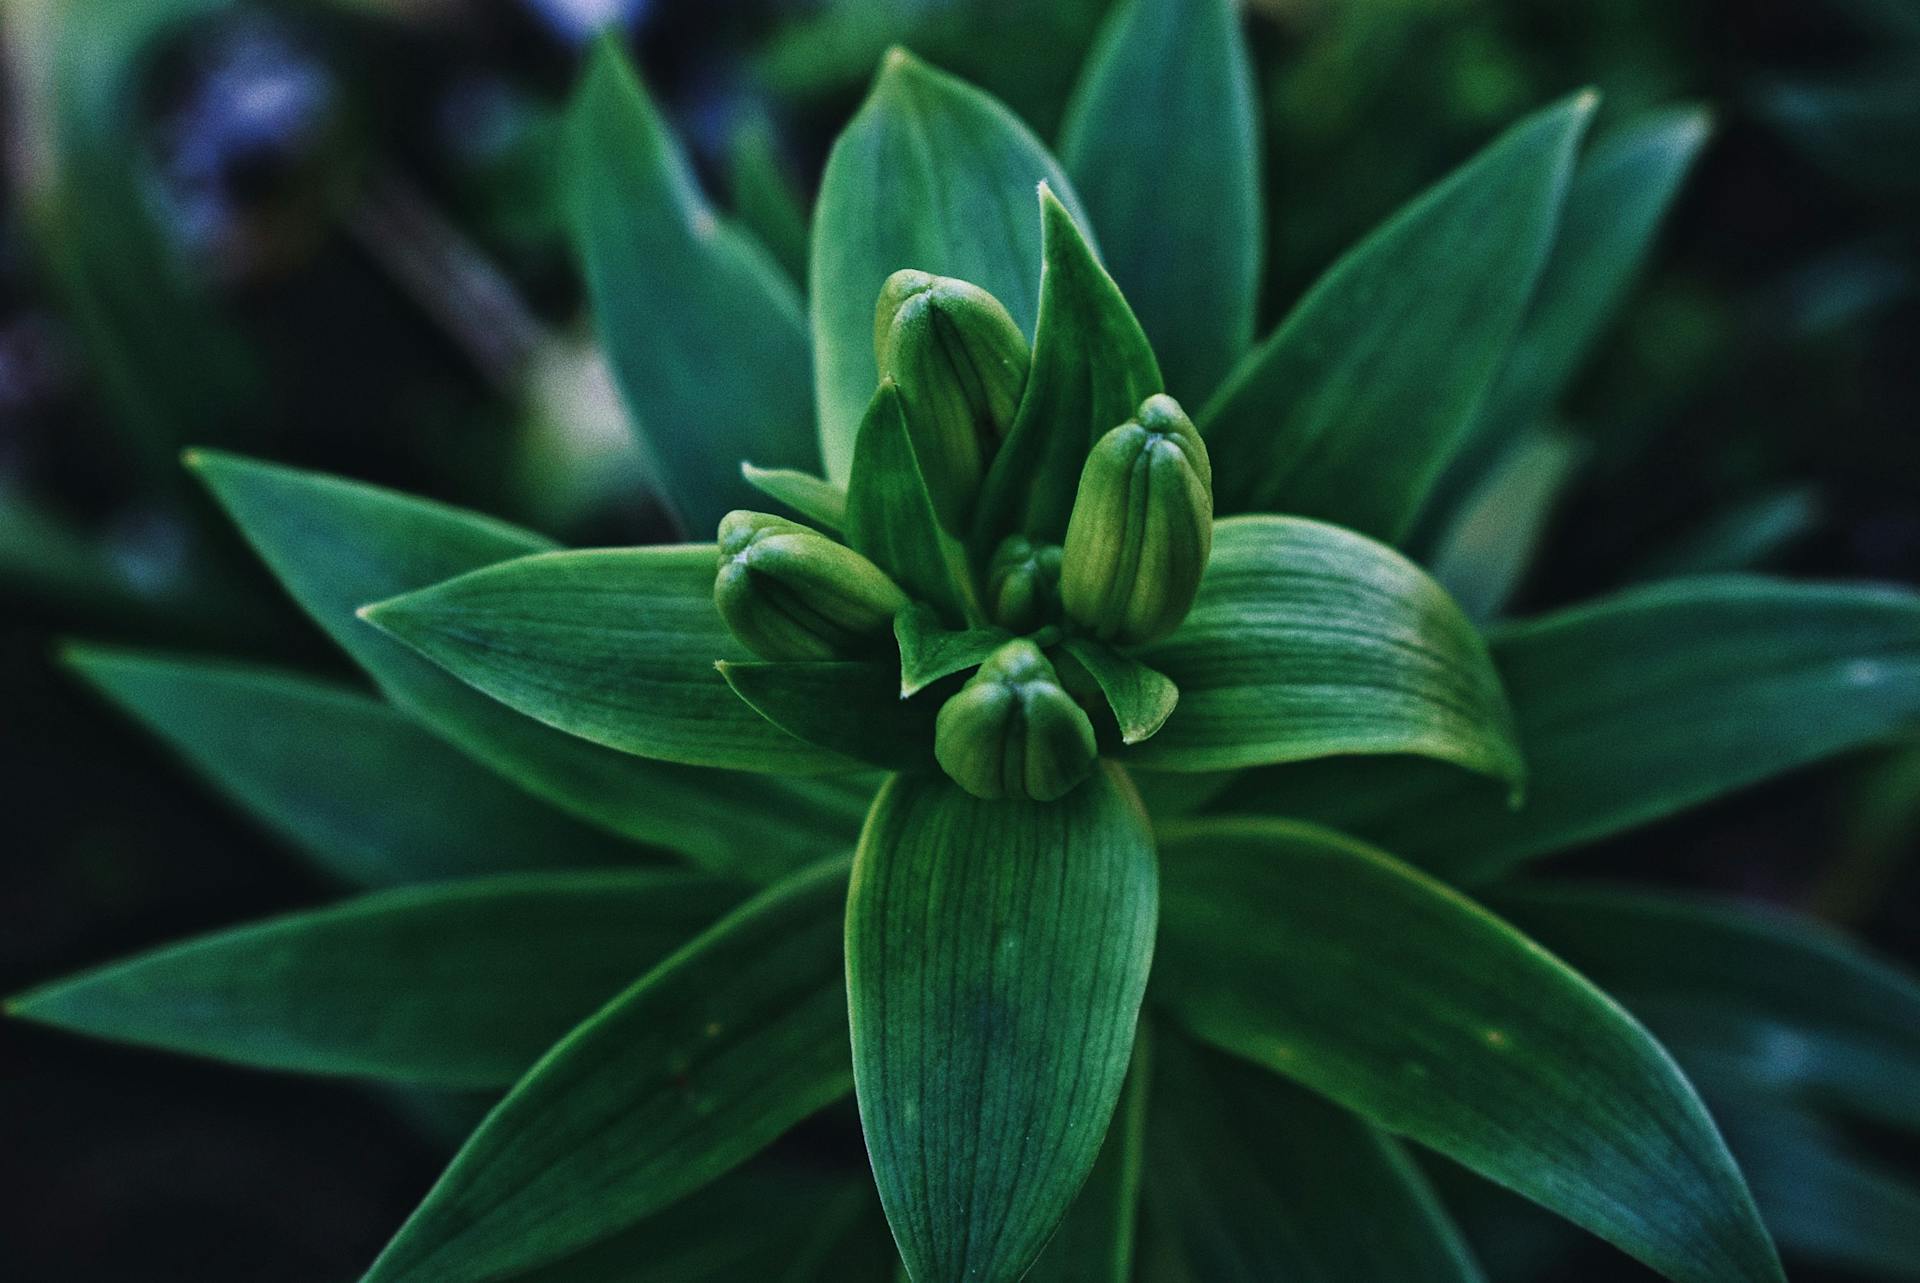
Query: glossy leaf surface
(708, 339)
(1351, 409)
(996, 956)
(1632, 708)
(337, 545)
(697, 1066)
(460, 986)
(1309, 640)
(1370, 983)
(363, 790)
(932, 175)
(1170, 80)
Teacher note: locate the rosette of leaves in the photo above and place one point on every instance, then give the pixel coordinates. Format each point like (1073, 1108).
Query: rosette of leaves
(1192, 1016)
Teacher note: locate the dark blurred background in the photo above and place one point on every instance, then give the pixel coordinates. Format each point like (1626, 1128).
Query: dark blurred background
(328, 233)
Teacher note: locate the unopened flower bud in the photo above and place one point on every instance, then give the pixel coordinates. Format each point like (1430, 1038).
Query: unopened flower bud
(1013, 732)
(960, 363)
(788, 592)
(1023, 584)
(1142, 527)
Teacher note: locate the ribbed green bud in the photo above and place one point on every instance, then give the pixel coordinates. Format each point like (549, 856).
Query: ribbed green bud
(788, 592)
(1023, 584)
(960, 363)
(1142, 527)
(1012, 731)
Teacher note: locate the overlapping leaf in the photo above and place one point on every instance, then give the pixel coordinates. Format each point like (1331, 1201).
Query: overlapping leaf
(1170, 81)
(1351, 409)
(615, 645)
(368, 794)
(933, 175)
(1370, 983)
(696, 1067)
(337, 545)
(1253, 1179)
(707, 338)
(1309, 640)
(1096, 1241)
(460, 986)
(1783, 1001)
(996, 956)
(1632, 708)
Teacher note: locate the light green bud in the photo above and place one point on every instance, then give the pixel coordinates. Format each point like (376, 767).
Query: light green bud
(1013, 731)
(1023, 584)
(788, 592)
(1142, 527)
(960, 363)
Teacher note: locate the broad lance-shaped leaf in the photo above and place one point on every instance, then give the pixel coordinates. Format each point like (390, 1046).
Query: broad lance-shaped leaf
(460, 986)
(707, 338)
(1254, 1179)
(932, 175)
(1092, 367)
(1788, 1003)
(1397, 998)
(1488, 542)
(761, 1223)
(1308, 640)
(1351, 409)
(891, 517)
(996, 956)
(1616, 202)
(1824, 1200)
(1633, 708)
(336, 545)
(615, 645)
(697, 1066)
(1096, 1241)
(1161, 141)
(368, 794)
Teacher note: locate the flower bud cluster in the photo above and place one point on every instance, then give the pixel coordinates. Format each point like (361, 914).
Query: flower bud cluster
(1128, 572)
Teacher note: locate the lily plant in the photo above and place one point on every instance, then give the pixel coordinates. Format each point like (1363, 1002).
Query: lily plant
(1182, 804)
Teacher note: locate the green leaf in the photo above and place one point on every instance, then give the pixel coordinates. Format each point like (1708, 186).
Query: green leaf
(1351, 409)
(1170, 81)
(996, 956)
(1798, 1006)
(761, 1224)
(1490, 539)
(365, 792)
(337, 545)
(929, 650)
(1092, 367)
(1615, 205)
(615, 645)
(931, 174)
(1095, 1243)
(460, 986)
(766, 198)
(707, 338)
(852, 707)
(1630, 709)
(891, 517)
(1309, 640)
(1824, 1202)
(1370, 983)
(1142, 699)
(704, 1061)
(815, 498)
(1256, 1180)
(1744, 536)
